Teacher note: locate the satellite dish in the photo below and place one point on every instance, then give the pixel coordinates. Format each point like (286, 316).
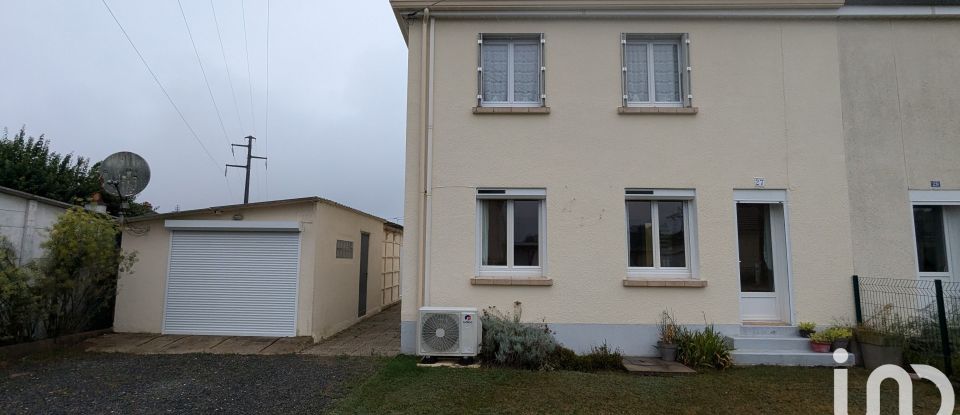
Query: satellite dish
(124, 174)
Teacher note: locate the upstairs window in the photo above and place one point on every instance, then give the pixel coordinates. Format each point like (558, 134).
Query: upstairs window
(655, 71)
(510, 71)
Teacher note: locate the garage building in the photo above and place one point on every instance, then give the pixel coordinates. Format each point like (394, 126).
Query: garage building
(296, 267)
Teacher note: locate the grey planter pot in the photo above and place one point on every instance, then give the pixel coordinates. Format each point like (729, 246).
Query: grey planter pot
(875, 356)
(840, 344)
(668, 352)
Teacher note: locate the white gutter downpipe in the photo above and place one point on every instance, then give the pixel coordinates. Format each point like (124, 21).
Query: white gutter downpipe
(426, 106)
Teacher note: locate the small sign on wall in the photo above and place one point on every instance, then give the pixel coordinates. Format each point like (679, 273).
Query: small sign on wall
(759, 182)
(935, 184)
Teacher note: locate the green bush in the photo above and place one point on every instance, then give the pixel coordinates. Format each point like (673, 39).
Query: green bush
(703, 349)
(508, 342)
(19, 303)
(79, 270)
(599, 358)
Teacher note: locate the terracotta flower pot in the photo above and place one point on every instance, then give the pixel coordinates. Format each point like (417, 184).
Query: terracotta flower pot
(820, 347)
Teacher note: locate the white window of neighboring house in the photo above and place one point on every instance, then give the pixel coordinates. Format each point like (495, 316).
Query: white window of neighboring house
(655, 70)
(933, 242)
(510, 232)
(510, 71)
(660, 233)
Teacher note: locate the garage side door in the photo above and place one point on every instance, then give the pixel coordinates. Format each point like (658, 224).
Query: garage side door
(232, 283)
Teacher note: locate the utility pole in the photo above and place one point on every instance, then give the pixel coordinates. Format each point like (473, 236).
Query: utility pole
(250, 156)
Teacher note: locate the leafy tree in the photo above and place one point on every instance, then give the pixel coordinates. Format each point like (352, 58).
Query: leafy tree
(79, 271)
(29, 165)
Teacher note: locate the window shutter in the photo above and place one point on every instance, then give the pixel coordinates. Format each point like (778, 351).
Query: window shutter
(623, 69)
(543, 73)
(479, 69)
(685, 70)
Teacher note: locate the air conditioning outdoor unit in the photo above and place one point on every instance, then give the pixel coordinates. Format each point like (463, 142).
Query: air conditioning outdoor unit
(448, 331)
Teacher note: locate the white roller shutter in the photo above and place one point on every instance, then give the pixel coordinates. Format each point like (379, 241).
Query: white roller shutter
(232, 283)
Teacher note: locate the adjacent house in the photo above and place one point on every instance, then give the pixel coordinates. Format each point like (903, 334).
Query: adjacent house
(25, 219)
(295, 267)
(734, 161)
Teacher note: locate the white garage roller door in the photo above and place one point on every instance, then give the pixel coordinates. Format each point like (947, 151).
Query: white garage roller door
(232, 283)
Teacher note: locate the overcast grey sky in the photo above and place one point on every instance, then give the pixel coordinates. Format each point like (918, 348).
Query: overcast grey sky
(336, 94)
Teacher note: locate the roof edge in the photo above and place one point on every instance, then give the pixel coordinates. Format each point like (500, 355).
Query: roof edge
(257, 205)
(41, 199)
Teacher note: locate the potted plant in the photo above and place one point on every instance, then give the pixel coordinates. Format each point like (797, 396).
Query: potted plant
(839, 337)
(820, 342)
(807, 328)
(667, 343)
(879, 348)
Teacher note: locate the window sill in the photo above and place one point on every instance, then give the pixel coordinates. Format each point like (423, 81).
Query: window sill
(664, 282)
(511, 110)
(658, 110)
(527, 281)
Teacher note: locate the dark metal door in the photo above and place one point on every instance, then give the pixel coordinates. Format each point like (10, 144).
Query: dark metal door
(364, 254)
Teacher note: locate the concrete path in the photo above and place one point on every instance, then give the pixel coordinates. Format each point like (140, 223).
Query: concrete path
(378, 335)
(140, 343)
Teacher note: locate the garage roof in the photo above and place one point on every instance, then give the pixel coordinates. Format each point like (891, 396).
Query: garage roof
(259, 205)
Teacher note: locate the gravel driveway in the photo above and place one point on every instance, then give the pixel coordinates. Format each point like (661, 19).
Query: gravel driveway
(190, 383)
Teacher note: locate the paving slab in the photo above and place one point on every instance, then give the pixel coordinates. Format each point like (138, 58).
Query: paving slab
(378, 335)
(157, 344)
(288, 345)
(119, 342)
(193, 344)
(243, 345)
(654, 366)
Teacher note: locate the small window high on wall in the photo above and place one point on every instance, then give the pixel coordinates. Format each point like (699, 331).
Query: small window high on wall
(936, 232)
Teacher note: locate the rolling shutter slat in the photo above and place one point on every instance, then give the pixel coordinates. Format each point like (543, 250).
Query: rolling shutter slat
(232, 283)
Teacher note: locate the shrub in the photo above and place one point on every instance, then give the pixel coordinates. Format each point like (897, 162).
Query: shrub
(838, 333)
(79, 271)
(19, 305)
(508, 342)
(821, 337)
(807, 326)
(703, 349)
(599, 358)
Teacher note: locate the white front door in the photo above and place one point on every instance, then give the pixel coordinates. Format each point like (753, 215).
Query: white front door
(763, 257)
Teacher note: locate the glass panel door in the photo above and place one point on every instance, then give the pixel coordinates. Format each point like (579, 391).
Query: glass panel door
(756, 248)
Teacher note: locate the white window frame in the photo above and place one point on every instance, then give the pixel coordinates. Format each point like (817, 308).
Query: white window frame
(689, 233)
(511, 270)
(650, 40)
(510, 40)
(946, 244)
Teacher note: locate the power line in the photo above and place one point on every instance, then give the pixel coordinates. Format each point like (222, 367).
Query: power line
(216, 108)
(159, 84)
(246, 52)
(223, 53)
(266, 122)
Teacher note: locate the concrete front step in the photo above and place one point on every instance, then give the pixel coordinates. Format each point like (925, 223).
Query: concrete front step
(750, 330)
(772, 343)
(747, 357)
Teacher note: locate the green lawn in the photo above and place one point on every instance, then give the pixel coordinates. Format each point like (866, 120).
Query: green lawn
(402, 387)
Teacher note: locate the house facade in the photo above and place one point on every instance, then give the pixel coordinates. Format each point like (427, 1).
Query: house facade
(734, 162)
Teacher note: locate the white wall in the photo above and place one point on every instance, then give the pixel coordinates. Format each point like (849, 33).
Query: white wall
(25, 224)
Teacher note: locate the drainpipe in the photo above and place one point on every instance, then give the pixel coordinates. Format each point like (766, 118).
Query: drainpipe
(426, 112)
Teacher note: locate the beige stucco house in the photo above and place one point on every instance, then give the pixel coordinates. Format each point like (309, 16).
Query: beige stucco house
(296, 267)
(733, 161)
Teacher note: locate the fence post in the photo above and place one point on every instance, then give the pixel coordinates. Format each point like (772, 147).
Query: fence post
(944, 330)
(856, 299)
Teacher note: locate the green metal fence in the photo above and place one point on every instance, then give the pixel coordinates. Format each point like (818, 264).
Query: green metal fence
(924, 315)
